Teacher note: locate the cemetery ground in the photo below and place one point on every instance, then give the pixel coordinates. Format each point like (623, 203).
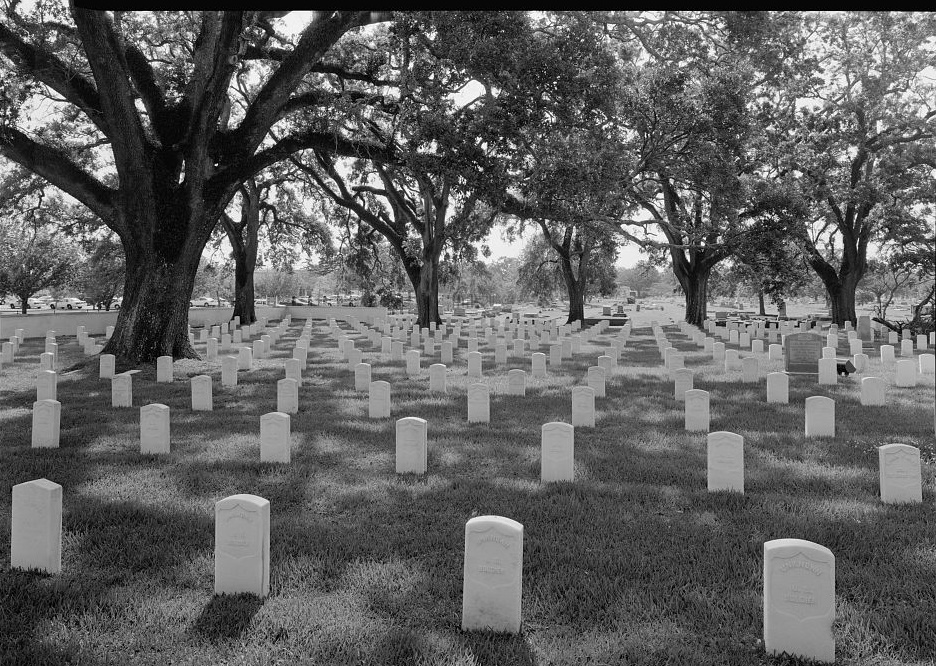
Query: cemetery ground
(632, 563)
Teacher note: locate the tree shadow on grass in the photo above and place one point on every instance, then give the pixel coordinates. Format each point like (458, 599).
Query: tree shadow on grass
(490, 649)
(27, 599)
(226, 616)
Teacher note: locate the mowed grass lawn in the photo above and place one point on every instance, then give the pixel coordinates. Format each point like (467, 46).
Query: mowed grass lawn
(632, 563)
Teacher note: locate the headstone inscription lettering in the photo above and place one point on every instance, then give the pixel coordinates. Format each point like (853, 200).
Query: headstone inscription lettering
(725, 452)
(378, 402)
(900, 474)
(275, 437)
(492, 576)
(411, 445)
(583, 406)
(802, 352)
(557, 452)
(799, 599)
(242, 545)
(154, 428)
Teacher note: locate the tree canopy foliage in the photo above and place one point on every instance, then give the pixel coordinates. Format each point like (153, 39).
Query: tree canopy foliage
(767, 143)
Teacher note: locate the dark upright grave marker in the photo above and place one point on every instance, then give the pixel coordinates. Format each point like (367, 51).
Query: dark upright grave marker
(802, 352)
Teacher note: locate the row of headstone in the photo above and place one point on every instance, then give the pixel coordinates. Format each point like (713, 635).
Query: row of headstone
(798, 577)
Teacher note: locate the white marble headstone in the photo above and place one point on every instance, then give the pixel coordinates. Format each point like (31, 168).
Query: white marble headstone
(873, 391)
(202, 398)
(906, 373)
(287, 396)
(378, 400)
(493, 574)
(154, 428)
(887, 355)
(474, 365)
(927, 364)
(516, 382)
(412, 363)
(242, 545)
(820, 416)
(697, 410)
(36, 526)
(362, 376)
(46, 420)
(583, 406)
(778, 387)
(557, 452)
(122, 390)
(725, 461)
(46, 385)
(164, 370)
(479, 403)
(555, 355)
(275, 438)
(828, 371)
(538, 365)
(799, 599)
(682, 382)
(596, 380)
(900, 474)
(229, 370)
(749, 370)
(411, 445)
(244, 358)
(437, 377)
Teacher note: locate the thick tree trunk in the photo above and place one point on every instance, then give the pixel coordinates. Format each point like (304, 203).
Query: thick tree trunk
(840, 294)
(762, 311)
(153, 317)
(576, 291)
(695, 286)
(244, 289)
(427, 296)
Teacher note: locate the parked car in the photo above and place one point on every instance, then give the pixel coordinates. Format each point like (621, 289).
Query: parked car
(70, 303)
(31, 304)
(201, 302)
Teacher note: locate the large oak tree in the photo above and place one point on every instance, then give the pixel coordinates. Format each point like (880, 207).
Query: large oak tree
(152, 90)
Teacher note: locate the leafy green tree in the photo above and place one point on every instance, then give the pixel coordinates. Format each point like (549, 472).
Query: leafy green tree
(567, 167)
(32, 259)
(858, 131)
(439, 197)
(145, 135)
(101, 277)
(276, 285)
(271, 203)
(689, 104)
(215, 279)
(539, 275)
(641, 278)
(540, 271)
(884, 280)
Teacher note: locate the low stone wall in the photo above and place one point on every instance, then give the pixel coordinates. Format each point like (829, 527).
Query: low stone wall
(326, 312)
(66, 322)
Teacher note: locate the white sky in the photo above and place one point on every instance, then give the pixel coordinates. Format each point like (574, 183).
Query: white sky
(628, 255)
